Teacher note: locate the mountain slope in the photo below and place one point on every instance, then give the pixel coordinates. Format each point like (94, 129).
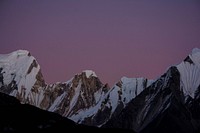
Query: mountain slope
(20, 76)
(84, 98)
(16, 117)
(170, 104)
(112, 102)
(20, 117)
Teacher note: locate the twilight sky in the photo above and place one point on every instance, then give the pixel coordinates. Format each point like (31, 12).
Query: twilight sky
(115, 38)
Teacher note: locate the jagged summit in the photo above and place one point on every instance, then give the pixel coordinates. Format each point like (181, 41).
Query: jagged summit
(22, 52)
(19, 69)
(86, 74)
(89, 73)
(169, 104)
(17, 53)
(190, 73)
(195, 56)
(20, 76)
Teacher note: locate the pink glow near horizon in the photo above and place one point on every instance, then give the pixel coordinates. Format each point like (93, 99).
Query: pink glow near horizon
(114, 38)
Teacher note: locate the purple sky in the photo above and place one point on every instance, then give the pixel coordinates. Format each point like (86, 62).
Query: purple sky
(115, 38)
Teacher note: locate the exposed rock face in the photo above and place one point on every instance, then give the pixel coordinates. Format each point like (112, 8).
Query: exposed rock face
(149, 104)
(75, 95)
(170, 104)
(112, 102)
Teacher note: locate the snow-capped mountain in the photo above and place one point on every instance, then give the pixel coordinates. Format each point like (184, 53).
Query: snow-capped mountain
(190, 73)
(170, 104)
(83, 98)
(20, 76)
(112, 102)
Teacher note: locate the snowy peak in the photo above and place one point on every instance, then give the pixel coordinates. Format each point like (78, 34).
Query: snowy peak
(21, 53)
(80, 93)
(20, 72)
(16, 53)
(159, 108)
(14, 56)
(89, 73)
(195, 56)
(17, 65)
(190, 73)
(195, 50)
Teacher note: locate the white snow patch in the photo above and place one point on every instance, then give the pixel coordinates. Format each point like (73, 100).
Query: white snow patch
(195, 56)
(189, 78)
(195, 50)
(114, 96)
(36, 97)
(15, 67)
(98, 95)
(131, 87)
(90, 73)
(57, 102)
(82, 114)
(75, 98)
(190, 74)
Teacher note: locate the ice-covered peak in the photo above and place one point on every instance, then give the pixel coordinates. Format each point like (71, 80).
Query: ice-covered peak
(190, 73)
(19, 67)
(90, 73)
(21, 52)
(14, 55)
(195, 50)
(195, 56)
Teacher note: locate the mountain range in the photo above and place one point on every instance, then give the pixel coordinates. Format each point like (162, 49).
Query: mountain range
(170, 103)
